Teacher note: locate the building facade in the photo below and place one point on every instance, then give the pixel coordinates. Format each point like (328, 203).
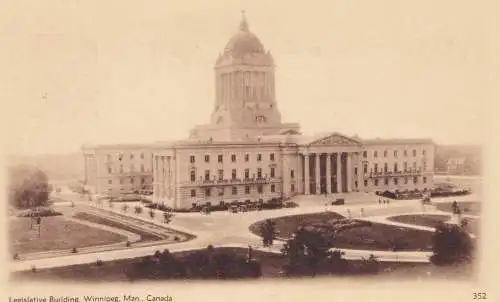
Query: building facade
(247, 153)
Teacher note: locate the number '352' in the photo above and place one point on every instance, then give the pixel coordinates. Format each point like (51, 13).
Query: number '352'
(479, 296)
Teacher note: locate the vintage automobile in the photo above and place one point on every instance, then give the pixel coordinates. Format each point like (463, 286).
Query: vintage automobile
(338, 201)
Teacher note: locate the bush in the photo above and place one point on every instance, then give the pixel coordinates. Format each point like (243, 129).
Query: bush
(47, 212)
(99, 262)
(74, 250)
(29, 187)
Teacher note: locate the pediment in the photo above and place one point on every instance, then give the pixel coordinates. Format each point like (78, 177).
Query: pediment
(335, 139)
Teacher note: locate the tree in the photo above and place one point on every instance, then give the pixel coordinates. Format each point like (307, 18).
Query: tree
(305, 251)
(138, 210)
(167, 217)
(29, 187)
(451, 245)
(268, 232)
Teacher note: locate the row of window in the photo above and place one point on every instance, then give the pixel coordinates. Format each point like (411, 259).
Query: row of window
(395, 180)
(405, 153)
(386, 167)
(220, 158)
(132, 169)
(220, 174)
(132, 181)
(121, 156)
(234, 190)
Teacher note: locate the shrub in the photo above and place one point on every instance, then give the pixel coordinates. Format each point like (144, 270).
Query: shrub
(99, 262)
(46, 212)
(74, 250)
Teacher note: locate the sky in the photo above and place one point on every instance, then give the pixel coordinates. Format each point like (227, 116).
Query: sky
(99, 72)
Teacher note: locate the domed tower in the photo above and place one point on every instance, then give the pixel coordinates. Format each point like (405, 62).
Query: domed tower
(245, 100)
(244, 79)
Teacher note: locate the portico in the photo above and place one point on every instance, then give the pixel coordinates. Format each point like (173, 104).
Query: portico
(330, 165)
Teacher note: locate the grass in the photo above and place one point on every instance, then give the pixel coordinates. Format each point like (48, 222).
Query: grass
(117, 270)
(287, 225)
(467, 207)
(57, 233)
(427, 220)
(145, 236)
(376, 236)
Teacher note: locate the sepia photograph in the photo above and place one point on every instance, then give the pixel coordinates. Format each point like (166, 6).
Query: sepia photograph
(261, 143)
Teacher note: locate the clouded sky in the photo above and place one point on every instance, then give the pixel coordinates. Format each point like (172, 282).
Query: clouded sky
(140, 71)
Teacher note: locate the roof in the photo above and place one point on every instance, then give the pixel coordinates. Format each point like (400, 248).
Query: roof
(397, 141)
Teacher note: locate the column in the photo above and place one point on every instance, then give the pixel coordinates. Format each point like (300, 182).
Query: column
(318, 182)
(328, 173)
(339, 178)
(361, 177)
(349, 172)
(306, 174)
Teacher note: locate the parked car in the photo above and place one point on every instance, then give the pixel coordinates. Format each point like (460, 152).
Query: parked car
(338, 201)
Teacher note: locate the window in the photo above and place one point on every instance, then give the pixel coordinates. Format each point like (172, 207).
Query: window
(110, 181)
(272, 172)
(131, 156)
(415, 180)
(366, 183)
(414, 152)
(395, 153)
(219, 158)
(221, 174)
(271, 156)
(246, 157)
(375, 154)
(356, 184)
(385, 168)
(385, 153)
(423, 152)
(233, 174)
(259, 172)
(260, 189)
(234, 190)
(424, 179)
(247, 190)
(405, 153)
(207, 174)
(375, 182)
(208, 192)
(108, 157)
(121, 181)
(131, 181)
(142, 168)
(414, 165)
(292, 174)
(292, 187)
(365, 154)
(273, 188)
(193, 193)
(395, 167)
(386, 181)
(110, 170)
(247, 173)
(192, 159)
(121, 168)
(142, 155)
(376, 168)
(233, 158)
(207, 158)
(365, 168)
(259, 157)
(395, 181)
(221, 191)
(406, 180)
(193, 175)
(356, 171)
(405, 166)
(142, 180)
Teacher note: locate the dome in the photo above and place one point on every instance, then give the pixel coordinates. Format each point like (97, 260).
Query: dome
(243, 42)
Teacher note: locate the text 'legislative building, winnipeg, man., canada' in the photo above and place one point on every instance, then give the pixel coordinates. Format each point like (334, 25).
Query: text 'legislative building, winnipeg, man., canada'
(247, 153)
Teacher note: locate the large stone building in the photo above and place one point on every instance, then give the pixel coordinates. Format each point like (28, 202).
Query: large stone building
(247, 153)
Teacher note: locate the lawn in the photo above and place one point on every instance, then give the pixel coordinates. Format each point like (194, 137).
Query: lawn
(468, 207)
(427, 220)
(271, 265)
(145, 236)
(57, 233)
(287, 225)
(376, 236)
